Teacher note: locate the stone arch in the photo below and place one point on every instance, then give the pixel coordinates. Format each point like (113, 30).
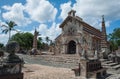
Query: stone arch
(71, 48)
(71, 39)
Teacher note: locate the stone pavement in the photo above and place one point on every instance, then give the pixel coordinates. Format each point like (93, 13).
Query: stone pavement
(35, 71)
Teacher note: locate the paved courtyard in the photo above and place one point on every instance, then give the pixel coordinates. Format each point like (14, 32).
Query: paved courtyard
(35, 71)
(38, 68)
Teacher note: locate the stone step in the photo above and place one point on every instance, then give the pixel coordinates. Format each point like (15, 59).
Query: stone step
(116, 67)
(103, 60)
(107, 62)
(69, 60)
(112, 64)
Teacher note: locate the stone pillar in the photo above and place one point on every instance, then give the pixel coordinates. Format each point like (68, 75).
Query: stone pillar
(77, 48)
(83, 69)
(64, 48)
(35, 39)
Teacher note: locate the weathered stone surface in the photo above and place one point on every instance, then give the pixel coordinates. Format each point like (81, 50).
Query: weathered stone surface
(78, 37)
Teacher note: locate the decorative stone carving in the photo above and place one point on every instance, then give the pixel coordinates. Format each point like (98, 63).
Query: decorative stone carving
(71, 31)
(96, 54)
(84, 54)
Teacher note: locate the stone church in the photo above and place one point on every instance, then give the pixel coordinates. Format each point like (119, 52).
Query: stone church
(77, 37)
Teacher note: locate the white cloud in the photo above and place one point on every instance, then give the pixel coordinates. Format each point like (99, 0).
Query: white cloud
(65, 8)
(16, 14)
(51, 32)
(41, 10)
(3, 38)
(92, 10)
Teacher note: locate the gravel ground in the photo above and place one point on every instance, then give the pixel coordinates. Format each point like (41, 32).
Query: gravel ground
(35, 71)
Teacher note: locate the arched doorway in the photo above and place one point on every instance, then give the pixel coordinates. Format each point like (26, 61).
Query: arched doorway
(71, 47)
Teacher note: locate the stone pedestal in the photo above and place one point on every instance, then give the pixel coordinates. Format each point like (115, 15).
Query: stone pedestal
(91, 68)
(83, 69)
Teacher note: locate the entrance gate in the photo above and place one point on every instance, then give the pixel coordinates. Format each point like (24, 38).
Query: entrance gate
(71, 47)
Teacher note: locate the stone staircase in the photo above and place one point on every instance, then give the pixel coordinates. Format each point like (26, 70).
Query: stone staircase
(110, 64)
(71, 60)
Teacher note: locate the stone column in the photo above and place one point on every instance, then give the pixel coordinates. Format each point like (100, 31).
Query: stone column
(64, 48)
(83, 69)
(77, 48)
(35, 39)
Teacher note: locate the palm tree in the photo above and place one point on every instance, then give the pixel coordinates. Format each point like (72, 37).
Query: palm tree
(40, 39)
(9, 27)
(47, 39)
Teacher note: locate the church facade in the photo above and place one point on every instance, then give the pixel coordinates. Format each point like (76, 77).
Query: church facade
(77, 37)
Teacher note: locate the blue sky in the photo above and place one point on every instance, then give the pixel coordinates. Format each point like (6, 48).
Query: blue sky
(47, 15)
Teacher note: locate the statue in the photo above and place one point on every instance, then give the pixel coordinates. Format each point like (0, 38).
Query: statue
(96, 54)
(84, 54)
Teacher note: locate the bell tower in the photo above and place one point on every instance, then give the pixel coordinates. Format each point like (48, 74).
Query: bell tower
(104, 44)
(104, 35)
(71, 13)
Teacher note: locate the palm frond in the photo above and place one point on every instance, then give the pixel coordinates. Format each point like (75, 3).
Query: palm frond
(5, 31)
(16, 30)
(4, 26)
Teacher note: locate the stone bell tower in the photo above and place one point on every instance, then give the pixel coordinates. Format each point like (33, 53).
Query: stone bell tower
(104, 43)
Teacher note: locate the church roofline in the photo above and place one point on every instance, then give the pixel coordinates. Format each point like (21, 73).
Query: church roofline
(58, 37)
(81, 21)
(63, 23)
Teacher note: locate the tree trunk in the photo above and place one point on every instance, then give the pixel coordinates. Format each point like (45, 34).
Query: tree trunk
(9, 34)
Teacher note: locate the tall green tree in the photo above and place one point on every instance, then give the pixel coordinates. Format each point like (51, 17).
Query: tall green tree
(39, 43)
(114, 39)
(40, 39)
(113, 46)
(9, 27)
(25, 40)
